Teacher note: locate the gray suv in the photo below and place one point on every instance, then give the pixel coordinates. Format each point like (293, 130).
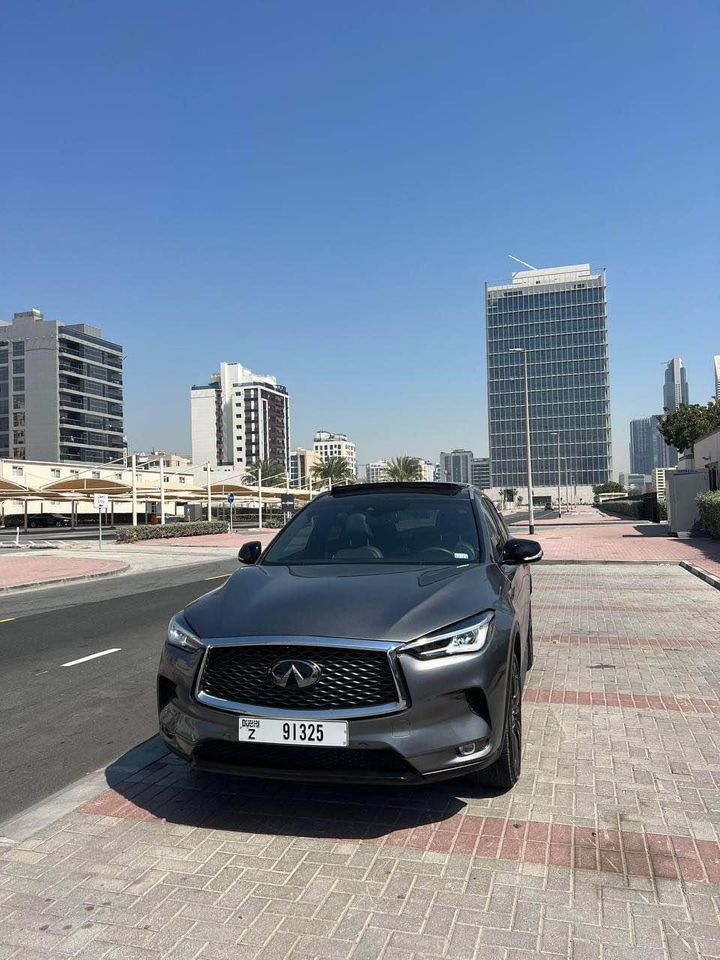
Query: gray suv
(383, 636)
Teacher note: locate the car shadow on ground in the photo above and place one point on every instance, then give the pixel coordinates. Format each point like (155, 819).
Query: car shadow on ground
(167, 789)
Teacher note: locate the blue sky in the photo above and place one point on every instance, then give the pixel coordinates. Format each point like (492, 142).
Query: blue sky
(320, 190)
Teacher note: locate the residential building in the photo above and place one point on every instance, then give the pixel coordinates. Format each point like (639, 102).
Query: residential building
(647, 446)
(153, 459)
(481, 472)
(659, 481)
(716, 370)
(428, 470)
(559, 317)
(61, 391)
(238, 418)
(328, 445)
(375, 472)
(301, 463)
(456, 466)
(676, 392)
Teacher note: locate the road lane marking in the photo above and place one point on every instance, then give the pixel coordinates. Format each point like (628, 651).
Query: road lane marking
(93, 656)
(220, 576)
(8, 620)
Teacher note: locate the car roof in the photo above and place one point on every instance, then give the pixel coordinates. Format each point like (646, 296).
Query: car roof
(414, 486)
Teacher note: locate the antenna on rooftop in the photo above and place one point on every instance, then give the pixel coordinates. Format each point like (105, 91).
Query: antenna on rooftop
(523, 262)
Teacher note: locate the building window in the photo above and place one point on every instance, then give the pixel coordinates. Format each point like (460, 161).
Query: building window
(181, 479)
(74, 473)
(18, 348)
(118, 476)
(55, 472)
(17, 471)
(96, 474)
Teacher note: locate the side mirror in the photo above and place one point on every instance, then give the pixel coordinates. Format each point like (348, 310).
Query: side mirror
(250, 552)
(521, 551)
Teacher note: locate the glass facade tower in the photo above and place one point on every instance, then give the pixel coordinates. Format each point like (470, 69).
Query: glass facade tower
(559, 316)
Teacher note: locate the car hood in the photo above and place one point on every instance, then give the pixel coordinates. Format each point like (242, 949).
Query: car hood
(350, 600)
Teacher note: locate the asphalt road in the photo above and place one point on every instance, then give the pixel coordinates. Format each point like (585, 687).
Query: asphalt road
(59, 722)
(58, 533)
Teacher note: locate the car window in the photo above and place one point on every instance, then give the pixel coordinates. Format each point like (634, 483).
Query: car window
(398, 527)
(497, 530)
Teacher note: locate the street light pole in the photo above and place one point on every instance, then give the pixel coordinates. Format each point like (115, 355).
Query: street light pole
(260, 510)
(531, 517)
(557, 437)
(209, 497)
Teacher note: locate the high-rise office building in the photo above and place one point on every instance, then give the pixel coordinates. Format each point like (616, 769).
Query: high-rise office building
(61, 393)
(559, 317)
(456, 466)
(716, 370)
(481, 472)
(238, 418)
(675, 389)
(647, 446)
(676, 393)
(328, 445)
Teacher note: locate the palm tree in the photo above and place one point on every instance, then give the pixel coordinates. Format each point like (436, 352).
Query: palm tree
(402, 470)
(272, 473)
(333, 472)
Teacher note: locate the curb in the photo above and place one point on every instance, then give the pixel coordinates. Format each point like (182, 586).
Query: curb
(41, 814)
(59, 580)
(709, 578)
(604, 563)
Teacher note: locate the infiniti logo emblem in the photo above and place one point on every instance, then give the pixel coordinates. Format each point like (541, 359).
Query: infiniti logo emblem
(301, 673)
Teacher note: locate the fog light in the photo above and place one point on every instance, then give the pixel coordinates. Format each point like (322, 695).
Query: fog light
(466, 749)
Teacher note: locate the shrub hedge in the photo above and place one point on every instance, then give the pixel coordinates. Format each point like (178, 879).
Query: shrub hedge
(624, 508)
(168, 530)
(709, 508)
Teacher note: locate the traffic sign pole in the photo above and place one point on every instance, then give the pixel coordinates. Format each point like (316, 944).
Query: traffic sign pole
(231, 501)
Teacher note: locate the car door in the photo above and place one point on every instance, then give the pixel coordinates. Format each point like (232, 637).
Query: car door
(517, 576)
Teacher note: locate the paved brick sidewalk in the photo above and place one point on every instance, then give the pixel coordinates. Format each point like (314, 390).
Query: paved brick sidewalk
(607, 849)
(19, 571)
(590, 536)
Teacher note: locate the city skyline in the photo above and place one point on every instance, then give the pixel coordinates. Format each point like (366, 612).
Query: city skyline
(372, 174)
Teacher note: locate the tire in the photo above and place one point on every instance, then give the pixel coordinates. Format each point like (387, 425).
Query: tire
(530, 644)
(504, 773)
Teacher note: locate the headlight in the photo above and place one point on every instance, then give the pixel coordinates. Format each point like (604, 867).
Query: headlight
(180, 635)
(471, 638)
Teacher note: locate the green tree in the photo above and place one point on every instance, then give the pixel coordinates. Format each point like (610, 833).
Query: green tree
(402, 470)
(682, 427)
(334, 472)
(611, 486)
(273, 473)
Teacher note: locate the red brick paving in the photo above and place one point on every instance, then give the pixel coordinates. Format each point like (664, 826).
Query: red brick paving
(589, 535)
(558, 845)
(20, 571)
(637, 701)
(660, 643)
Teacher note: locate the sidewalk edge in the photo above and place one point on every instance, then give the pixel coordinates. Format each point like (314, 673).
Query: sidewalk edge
(51, 583)
(709, 578)
(41, 814)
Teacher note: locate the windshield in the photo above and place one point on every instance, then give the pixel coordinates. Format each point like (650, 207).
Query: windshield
(379, 528)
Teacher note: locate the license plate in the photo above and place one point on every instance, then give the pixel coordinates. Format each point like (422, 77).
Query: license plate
(304, 733)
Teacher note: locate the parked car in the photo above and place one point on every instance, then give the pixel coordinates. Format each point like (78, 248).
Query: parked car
(384, 635)
(49, 520)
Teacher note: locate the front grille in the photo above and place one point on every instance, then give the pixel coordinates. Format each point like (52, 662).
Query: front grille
(264, 756)
(349, 678)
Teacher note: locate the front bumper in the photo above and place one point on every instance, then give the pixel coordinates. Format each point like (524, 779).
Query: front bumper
(445, 704)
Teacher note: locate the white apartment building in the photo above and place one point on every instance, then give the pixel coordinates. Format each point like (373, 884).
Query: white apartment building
(428, 470)
(375, 472)
(716, 370)
(238, 418)
(328, 445)
(659, 481)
